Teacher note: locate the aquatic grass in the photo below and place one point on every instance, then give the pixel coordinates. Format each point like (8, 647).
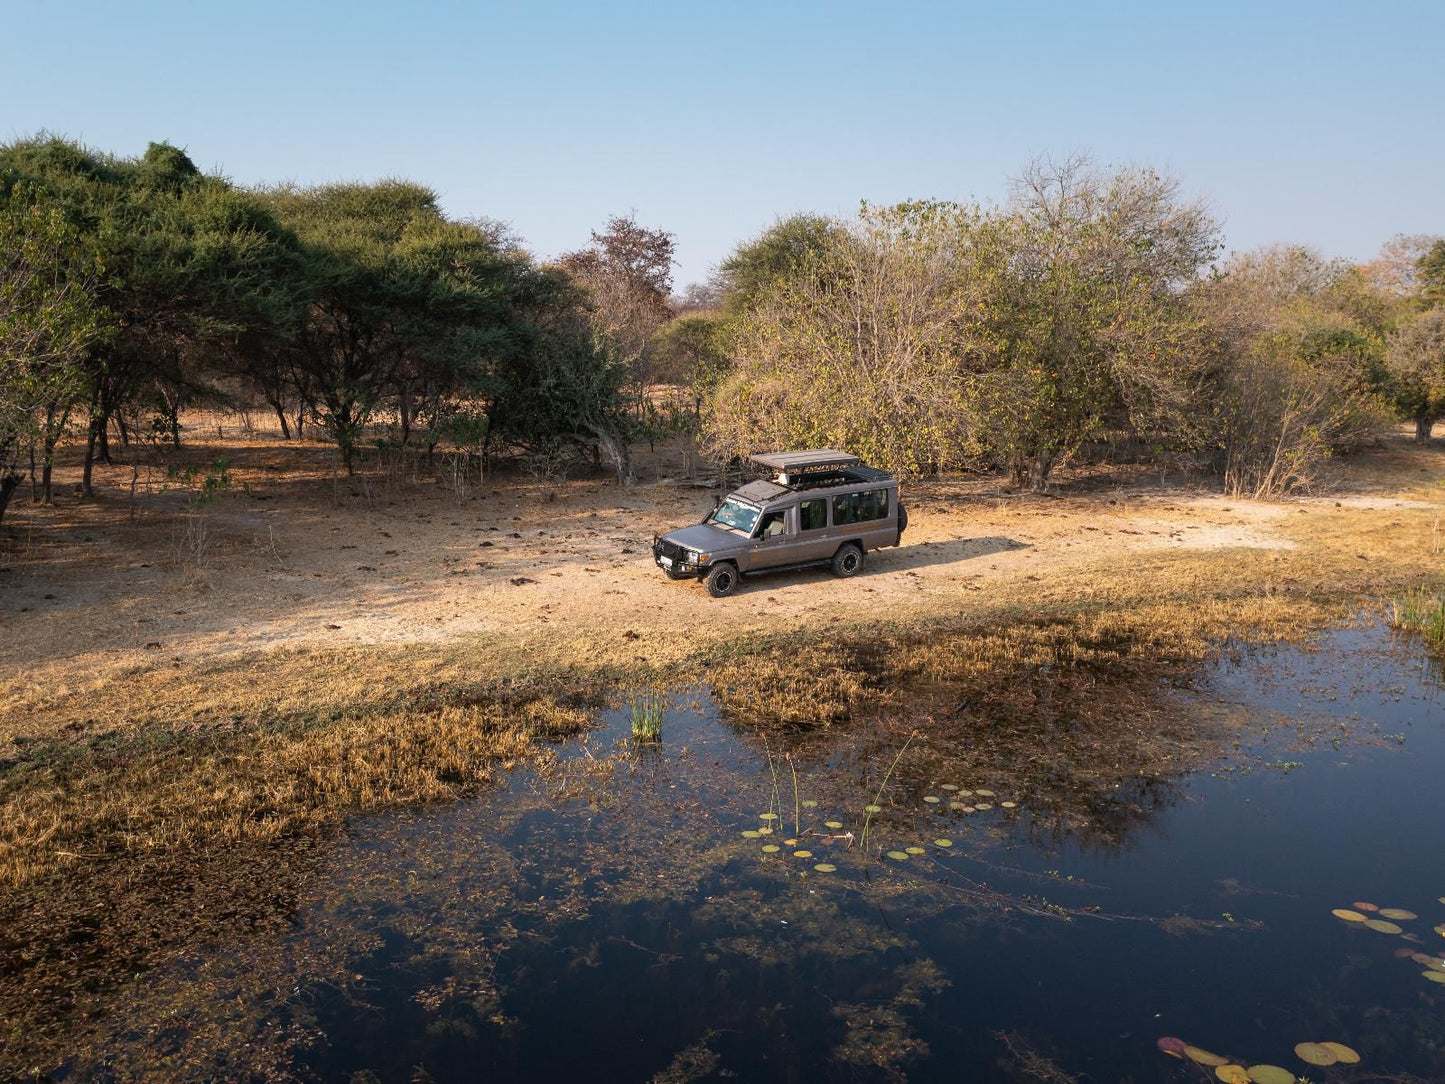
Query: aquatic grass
(775, 801)
(797, 804)
(874, 806)
(1422, 612)
(647, 713)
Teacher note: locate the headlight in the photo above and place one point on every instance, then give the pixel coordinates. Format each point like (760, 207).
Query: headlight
(697, 558)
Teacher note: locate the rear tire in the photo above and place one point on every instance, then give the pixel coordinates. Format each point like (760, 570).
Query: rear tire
(902, 521)
(848, 561)
(721, 579)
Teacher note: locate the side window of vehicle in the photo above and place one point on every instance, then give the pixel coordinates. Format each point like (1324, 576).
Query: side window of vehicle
(875, 504)
(860, 507)
(813, 515)
(774, 524)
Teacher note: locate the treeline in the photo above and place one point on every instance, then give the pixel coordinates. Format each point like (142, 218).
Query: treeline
(131, 289)
(1089, 310)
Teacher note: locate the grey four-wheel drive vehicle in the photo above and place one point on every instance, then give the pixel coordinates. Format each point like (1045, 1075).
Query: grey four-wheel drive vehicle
(822, 508)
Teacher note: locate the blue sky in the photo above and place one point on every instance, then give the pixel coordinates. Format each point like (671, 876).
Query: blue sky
(1317, 123)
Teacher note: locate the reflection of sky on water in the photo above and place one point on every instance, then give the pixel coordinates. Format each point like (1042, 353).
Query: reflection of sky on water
(628, 926)
(605, 918)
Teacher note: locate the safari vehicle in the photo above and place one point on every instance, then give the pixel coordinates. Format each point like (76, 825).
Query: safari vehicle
(822, 507)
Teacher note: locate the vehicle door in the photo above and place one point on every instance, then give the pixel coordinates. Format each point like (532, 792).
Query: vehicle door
(815, 542)
(773, 540)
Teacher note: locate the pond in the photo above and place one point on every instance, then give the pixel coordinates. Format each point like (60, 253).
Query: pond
(711, 906)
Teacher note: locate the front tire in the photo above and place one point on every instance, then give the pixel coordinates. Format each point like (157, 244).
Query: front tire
(848, 561)
(721, 579)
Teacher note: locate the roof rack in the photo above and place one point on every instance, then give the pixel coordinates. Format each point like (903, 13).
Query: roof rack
(794, 463)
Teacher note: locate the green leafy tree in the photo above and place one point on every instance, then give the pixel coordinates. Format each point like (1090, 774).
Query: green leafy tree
(1430, 273)
(49, 320)
(1082, 323)
(1416, 360)
(789, 247)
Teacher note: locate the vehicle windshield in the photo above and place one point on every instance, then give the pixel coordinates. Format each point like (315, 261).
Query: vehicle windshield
(737, 515)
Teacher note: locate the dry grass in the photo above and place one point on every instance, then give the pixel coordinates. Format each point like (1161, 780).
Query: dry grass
(195, 782)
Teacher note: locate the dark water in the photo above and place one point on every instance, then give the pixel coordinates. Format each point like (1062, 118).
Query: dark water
(605, 919)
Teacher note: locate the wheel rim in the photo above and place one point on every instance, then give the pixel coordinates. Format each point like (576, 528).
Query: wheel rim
(850, 562)
(724, 581)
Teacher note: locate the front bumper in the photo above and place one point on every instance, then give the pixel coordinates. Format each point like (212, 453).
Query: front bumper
(674, 559)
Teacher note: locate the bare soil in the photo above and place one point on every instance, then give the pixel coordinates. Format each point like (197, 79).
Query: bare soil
(297, 555)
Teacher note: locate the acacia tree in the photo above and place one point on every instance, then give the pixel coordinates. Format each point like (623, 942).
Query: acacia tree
(49, 320)
(1416, 360)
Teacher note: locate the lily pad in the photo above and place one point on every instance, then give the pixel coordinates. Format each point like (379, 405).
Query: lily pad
(1172, 1046)
(751, 833)
(765, 831)
(810, 803)
(771, 848)
(957, 807)
(1204, 1057)
(1358, 906)
(1397, 913)
(943, 843)
(1343, 1054)
(965, 794)
(950, 786)
(982, 806)
(915, 850)
(767, 816)
(1434, 976)
(1440, 929)
(1379, 925)
(826, 867)
(1270, 1074)
(1232, 1074)
(898, 856)
(1315, 1053)
(872, 809)
(802, 854)
(790, 843)
(1348, 915)
(832, 824)
(1008, 805)
(932, 799)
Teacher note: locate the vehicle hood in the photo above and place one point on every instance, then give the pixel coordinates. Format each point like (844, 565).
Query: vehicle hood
(705, 538)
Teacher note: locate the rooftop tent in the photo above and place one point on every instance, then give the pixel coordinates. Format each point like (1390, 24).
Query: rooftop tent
(798, 462)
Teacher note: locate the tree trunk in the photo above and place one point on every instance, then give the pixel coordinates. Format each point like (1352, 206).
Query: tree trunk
(123, 429)
(1040, 467)
(34, 483)
(1423, 427)
(281, 417)
(8, 481)
(403, 405)
(616, 450)
(90, 439)
(102, 439)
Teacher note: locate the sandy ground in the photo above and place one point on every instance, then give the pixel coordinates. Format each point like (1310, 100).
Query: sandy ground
(297, 555)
